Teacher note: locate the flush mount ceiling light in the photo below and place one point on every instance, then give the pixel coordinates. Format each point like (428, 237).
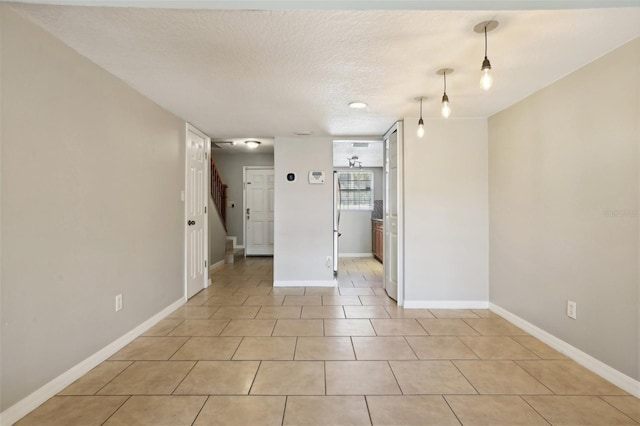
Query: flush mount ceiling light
(446, 108)
(353, 161)
(486, 79)
(420, 131)
(251, 144)
(357, 105)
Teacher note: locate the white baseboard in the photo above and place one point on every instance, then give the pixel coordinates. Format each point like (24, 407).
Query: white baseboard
(355, 255)
(216, 265)
(598, 367)
(328, 283)
(35, 399)
(446, 304)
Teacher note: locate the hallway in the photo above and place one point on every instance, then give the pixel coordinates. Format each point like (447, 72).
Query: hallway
(244, 353)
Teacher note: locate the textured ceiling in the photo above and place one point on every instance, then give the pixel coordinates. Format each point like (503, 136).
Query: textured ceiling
(267, 73)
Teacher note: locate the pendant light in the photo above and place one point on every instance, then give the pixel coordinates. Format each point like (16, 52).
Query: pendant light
(486, 79)
(420, 131)
(446, 108)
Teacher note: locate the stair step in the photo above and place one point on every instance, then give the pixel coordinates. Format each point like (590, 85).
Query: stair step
(234, 256)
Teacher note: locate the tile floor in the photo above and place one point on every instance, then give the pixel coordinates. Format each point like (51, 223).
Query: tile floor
(244, 353)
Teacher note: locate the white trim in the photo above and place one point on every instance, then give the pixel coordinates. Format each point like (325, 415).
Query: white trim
(216, 265)
(244, 208)
(35, 399)
(328, 283)
(446, 304)
(355, 255)
(598, 367)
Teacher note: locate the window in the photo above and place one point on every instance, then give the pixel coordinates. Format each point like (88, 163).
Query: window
(356, 190)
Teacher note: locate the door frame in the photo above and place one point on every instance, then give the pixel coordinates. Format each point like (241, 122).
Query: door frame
(399, 128)
(244, 201)
(206, 188)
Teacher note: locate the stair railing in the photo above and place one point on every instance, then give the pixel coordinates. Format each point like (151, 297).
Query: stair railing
(219, 193)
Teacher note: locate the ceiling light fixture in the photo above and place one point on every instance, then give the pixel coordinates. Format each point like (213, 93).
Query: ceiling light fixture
(357, 105)
(420, 131)
(446, 108)
(251, 144)
(486, 79)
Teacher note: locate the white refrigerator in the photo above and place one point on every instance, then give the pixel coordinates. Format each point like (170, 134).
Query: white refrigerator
(336, 221)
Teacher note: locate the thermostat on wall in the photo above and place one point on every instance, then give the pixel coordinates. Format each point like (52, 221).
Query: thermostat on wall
(316, 177)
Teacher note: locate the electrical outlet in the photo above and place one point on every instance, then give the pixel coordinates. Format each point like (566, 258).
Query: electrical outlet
(118, 302)
(329, 262)
(572, 309)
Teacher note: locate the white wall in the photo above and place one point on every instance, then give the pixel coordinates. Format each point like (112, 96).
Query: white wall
(303, 212)
(564, 208)
(230, 168)
(91, 179)
(446, 213)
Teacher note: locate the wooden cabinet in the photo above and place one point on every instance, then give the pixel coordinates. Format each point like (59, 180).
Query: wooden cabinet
(377, 238)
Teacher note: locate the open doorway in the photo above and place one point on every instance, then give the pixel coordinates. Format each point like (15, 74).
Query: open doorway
(358, 194)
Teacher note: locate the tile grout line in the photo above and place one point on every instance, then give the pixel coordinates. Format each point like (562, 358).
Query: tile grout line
(451, 408)
(534, 409)
(610, 404)
(117, 409)
(185, 376)
(200, 410)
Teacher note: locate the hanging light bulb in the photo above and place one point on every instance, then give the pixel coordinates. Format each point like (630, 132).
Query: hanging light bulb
(446, 108)
(421, 121)
(486, 79)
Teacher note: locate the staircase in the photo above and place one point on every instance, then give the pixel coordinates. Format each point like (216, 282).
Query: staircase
(219, 193)
(232, 254)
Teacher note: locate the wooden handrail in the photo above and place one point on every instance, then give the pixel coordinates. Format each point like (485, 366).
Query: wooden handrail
(219, 193)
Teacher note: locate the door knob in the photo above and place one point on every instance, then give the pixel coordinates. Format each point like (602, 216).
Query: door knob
(191, 222)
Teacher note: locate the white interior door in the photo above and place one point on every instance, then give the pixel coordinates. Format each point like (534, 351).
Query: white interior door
(197, 153)
(259, 209)
(390, 252)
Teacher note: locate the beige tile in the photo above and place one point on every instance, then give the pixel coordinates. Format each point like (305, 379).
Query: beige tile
(567, 377)
(377, 300)
(379, 292)
(500, 377)
(150, 348)
(279, 312)
(382, 348)
(397, 327)
(257, 327)
(399, 312)
(341, 301)
(229, 312)
(410, 410)
(219, 378)
(289, 378)
(348, 327)
(242, 410)
(485, 313)
(440, 347)
(539, 348)
(494, 327)
(252, 291)
(266, 348)
(265, 300)
(577, 410)
(198, 299)
(326, 410)
(497, 347)
(73, 411)
(194, 312)
(366, 312)
(148, 378)
(346, 291)
(303, 300)
(360, 283)
(322, 311)
(324, 348)
(430, 377)
(208, 348)
(199, 328)
(629, 405)
(288, 291)
(225, 300)
(95, 379)
(446, 327)
(158, 411)
(494, 410)
(163, 327)
(298, 327)
(321, 291)
(360, 378)
(453, 313)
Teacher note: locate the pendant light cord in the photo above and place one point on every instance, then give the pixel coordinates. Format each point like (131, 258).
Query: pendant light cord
(421, 107)
(444, 74)
(485, 41)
